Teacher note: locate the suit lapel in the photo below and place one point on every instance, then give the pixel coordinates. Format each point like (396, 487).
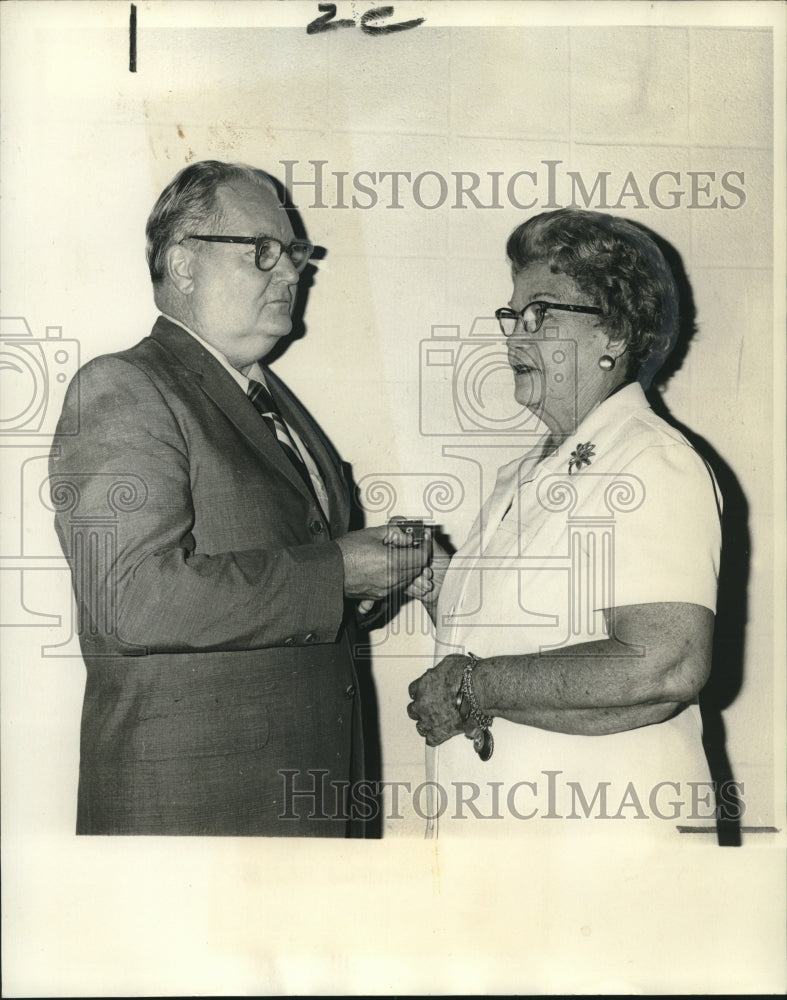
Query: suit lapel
(225, 392)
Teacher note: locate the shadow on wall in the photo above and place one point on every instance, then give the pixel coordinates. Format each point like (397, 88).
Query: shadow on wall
(732, 605)
(307, 279)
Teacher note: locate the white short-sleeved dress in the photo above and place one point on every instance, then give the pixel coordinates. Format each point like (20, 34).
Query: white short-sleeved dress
(553, 546)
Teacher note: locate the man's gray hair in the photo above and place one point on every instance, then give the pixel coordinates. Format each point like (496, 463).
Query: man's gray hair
(188, 204)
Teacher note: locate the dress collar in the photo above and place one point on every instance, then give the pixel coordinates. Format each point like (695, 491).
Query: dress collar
(592, 431)
(606, 417)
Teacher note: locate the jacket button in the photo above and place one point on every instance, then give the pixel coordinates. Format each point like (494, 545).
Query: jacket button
(289, 641)
(311, 637)
(316, 527)
(350, 692)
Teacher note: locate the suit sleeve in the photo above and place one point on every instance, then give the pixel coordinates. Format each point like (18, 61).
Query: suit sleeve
(145, 584)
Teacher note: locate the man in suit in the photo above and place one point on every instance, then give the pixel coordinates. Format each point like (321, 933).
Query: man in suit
(205, 520)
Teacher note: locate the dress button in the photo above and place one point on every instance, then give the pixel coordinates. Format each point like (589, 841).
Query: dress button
(316, 527)
(311, 637)
(289, 641)
(350, 692)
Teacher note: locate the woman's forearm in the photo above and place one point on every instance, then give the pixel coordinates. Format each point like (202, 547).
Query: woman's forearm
(656, 659)
(591, 675)
(593, 721)
(655, 655)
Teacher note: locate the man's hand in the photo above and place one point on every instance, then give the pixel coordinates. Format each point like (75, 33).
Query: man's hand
(374, 568)
(425, 587)
(428, 585)
(433, 705)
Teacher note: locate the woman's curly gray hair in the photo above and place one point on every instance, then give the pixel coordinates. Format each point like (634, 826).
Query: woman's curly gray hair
(618, 266)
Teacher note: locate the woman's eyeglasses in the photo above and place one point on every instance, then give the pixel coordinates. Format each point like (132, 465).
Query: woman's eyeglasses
(532, 316)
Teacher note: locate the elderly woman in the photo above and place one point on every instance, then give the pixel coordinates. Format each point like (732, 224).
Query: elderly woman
(577, 618)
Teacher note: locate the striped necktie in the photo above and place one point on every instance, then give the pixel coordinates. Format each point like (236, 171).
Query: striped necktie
(260, 396)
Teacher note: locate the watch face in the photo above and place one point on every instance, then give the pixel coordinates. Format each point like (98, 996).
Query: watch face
(484, 743)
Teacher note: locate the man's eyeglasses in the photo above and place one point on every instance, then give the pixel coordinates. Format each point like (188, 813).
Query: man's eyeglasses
(532, 316)
(267, 249)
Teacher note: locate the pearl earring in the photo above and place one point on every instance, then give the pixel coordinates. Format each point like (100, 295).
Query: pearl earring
(606, 362)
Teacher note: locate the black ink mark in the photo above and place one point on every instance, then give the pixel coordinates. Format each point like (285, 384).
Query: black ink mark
(132, 39)
(326, 21)
(321, 23)
(385, 29)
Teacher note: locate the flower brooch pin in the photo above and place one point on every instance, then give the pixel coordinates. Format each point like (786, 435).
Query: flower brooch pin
(582, 455)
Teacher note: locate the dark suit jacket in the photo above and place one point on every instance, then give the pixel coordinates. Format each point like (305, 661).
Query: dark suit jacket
(211, 601)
